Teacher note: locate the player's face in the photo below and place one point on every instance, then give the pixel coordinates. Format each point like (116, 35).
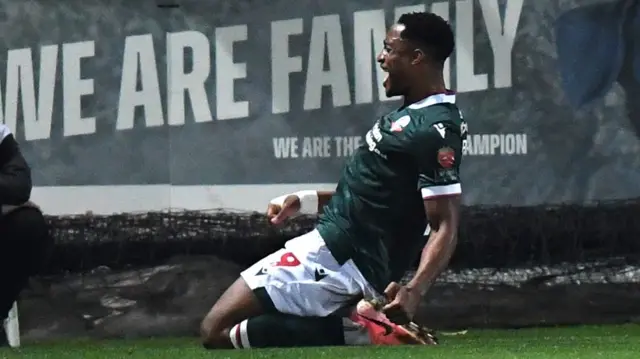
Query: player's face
(395, 59)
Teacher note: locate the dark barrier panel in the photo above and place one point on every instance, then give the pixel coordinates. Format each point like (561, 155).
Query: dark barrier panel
(158, 273)
(495, 237)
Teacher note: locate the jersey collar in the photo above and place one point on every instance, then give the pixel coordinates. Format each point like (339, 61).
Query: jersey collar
(447, 97)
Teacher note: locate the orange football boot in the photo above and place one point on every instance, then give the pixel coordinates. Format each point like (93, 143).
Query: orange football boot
(384, 332)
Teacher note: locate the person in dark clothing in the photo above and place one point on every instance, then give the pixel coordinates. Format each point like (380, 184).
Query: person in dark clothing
(24, 234)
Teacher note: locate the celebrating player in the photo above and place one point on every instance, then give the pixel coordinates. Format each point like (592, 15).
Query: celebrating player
(371, 228)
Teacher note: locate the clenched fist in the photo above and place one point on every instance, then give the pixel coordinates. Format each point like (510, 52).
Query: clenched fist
(278, 213)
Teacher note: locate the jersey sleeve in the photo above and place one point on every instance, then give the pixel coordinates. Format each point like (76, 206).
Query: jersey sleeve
(437, 150)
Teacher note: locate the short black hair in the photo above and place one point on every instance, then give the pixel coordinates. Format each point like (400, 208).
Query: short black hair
(430, 32)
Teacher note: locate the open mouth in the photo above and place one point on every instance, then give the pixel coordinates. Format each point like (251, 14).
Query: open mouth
(386, 78)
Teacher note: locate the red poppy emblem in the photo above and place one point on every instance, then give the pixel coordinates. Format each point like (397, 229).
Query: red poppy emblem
(446, 157)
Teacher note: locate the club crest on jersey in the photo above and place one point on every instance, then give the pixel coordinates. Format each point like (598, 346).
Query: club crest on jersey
(400, 123)
(446, 157)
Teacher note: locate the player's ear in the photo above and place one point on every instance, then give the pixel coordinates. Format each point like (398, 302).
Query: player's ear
(418, 56)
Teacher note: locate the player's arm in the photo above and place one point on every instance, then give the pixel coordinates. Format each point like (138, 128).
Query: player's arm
(438, 154)
(15, 174)
(443, 217)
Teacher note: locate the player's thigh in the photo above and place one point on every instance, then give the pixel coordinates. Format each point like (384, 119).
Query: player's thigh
(303, 279)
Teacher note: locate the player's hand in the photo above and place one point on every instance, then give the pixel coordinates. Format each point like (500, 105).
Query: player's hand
(402, 305)
(277, 214)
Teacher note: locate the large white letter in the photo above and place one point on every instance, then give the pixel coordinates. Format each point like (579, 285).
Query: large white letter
(368, 29)
(227, 71)
(74, 87)
(501, 37)
(326, 33)
(20, 77)
(46, 91)
(282, 64)
(466, 79)
(193, 82)
(139, 57)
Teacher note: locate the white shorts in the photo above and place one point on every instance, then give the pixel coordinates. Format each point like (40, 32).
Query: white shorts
(305, 279)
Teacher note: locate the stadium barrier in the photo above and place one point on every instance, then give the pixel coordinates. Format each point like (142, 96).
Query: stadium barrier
(157, 273)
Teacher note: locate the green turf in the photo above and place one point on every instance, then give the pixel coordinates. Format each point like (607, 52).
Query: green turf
(610, 342)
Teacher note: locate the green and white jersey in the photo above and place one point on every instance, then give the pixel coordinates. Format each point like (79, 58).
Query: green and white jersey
(376, 217)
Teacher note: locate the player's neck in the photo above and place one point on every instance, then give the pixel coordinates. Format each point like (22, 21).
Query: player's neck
(424, 90)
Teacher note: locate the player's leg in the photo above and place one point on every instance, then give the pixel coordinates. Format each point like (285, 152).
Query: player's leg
(302, 279)
(365, 326)
(24, 247)
(247, 297)
(277, 330)
(237, 303)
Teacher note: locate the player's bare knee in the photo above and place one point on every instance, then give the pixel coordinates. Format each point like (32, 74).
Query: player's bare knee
(236, 304)
(217, 340)
(212, 336)
(209, 329)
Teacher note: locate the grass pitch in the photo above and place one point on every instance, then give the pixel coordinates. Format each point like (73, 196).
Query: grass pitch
(610, 342)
